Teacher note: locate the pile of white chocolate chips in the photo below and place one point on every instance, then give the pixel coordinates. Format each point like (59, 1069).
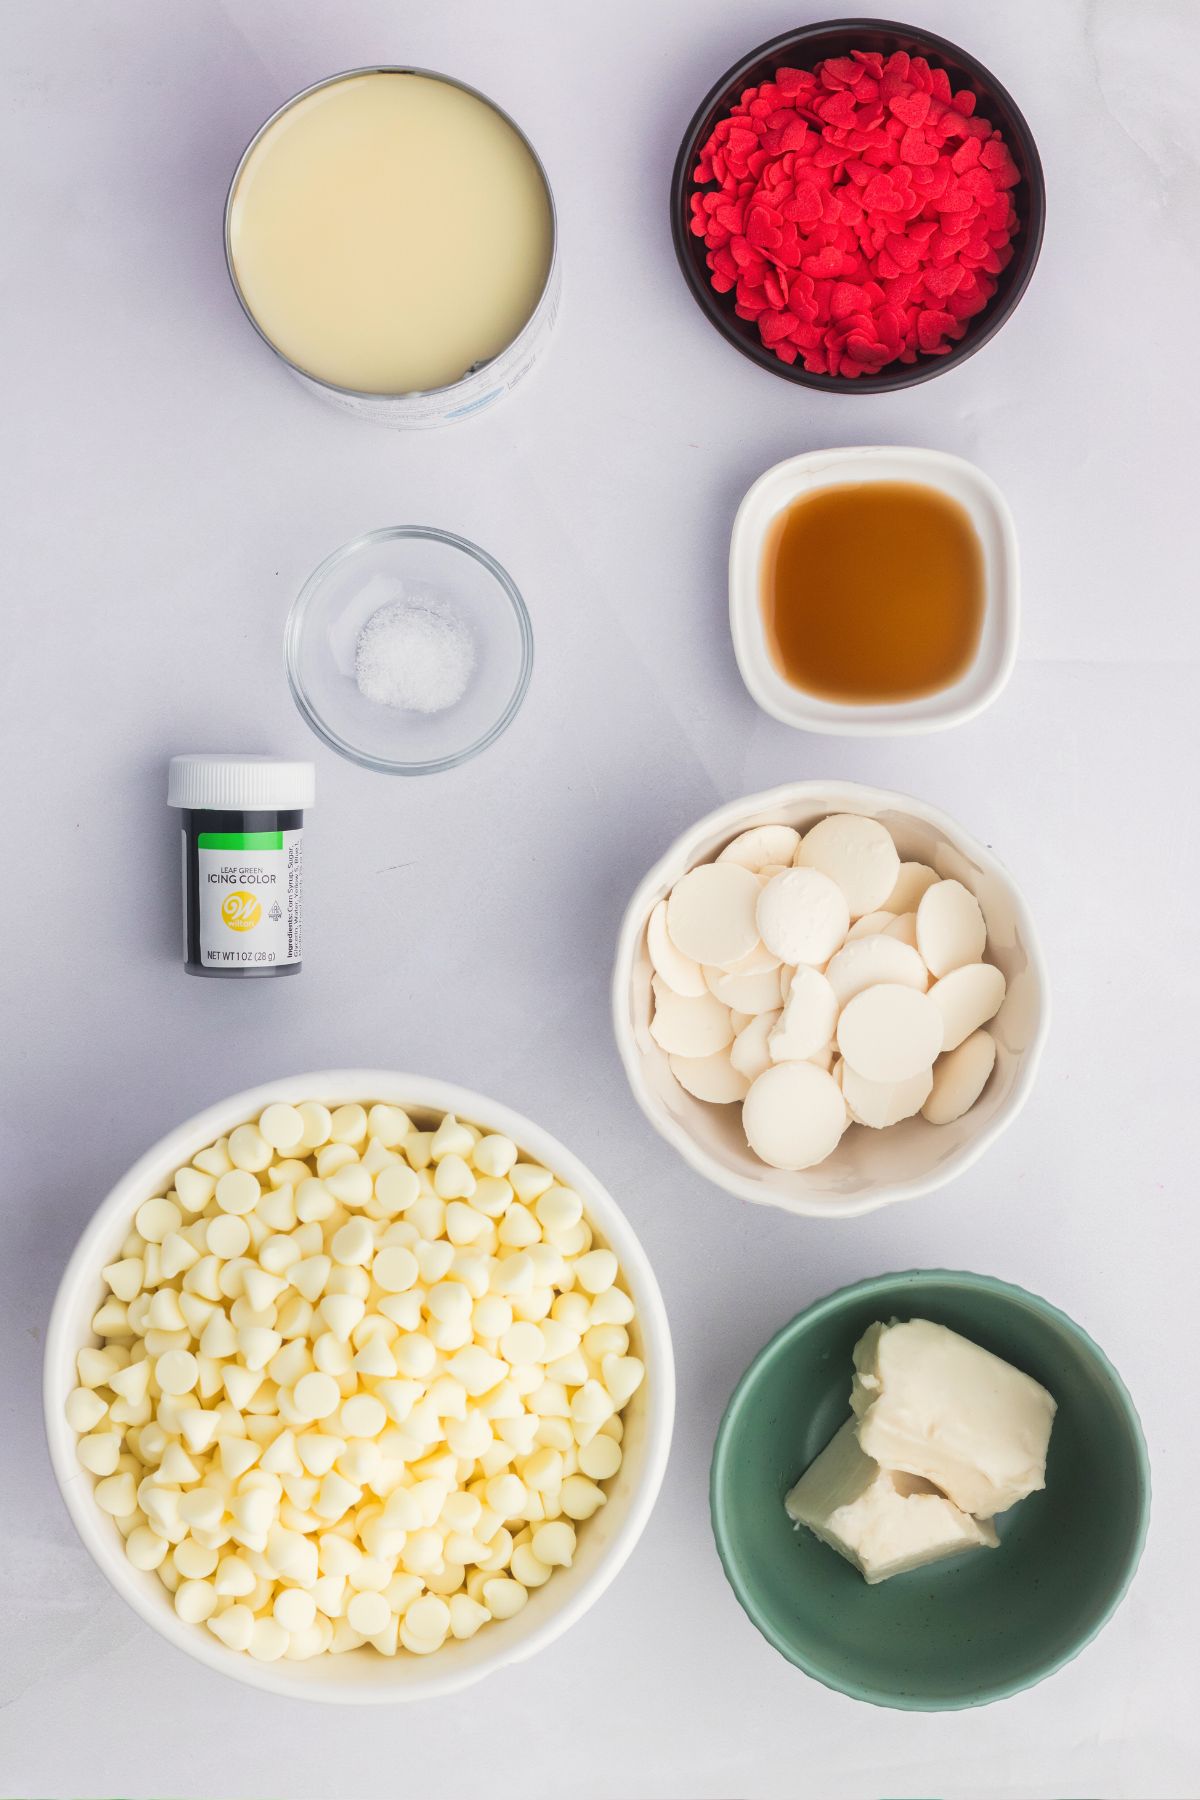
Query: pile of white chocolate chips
(822, 982)
(357, 1382)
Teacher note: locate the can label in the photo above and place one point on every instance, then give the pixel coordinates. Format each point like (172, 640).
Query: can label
(476, 391)
(249, 891)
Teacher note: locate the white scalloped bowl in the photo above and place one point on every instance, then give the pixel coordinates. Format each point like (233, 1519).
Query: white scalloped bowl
(605, 1540)
(869, 1169)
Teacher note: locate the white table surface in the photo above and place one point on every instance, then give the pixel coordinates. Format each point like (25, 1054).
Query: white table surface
(167, 487)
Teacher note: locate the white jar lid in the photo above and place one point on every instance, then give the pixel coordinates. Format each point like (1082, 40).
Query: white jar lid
(240, 784)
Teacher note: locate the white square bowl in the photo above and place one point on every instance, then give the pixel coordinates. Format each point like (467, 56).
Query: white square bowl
(988, 511)
(868, 1169)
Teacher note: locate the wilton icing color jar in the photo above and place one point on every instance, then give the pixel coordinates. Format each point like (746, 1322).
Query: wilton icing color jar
(390, 233)
(243, 859)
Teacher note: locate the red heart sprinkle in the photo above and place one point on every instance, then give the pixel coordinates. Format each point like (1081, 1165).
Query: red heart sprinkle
(857, 213)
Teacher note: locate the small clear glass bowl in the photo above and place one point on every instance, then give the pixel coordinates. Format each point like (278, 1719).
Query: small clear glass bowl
(420, 563)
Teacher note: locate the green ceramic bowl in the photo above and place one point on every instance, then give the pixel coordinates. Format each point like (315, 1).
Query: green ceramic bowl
(973, 1629)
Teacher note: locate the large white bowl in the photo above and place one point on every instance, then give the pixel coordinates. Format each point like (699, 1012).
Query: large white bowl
(605, 1540)
(869, 1169)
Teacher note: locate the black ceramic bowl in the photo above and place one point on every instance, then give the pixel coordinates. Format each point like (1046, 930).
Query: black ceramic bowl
(802, 49)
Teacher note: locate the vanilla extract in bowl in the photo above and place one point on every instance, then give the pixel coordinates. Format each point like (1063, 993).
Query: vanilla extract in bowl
(873, 592)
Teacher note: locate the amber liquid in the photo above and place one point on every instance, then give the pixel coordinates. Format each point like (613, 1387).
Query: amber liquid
(873, 592)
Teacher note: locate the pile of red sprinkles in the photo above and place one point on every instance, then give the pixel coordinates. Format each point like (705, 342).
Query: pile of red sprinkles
(861, 212)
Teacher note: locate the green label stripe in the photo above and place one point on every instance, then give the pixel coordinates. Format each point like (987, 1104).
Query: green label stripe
(240, 840)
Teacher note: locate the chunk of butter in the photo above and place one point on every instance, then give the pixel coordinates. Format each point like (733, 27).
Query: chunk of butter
(882, 1521)
(934, 1404)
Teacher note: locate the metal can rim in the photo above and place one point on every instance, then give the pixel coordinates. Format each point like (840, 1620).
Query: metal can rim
(369, 394)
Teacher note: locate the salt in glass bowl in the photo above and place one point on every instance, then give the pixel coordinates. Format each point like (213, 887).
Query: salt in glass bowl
(421, 564)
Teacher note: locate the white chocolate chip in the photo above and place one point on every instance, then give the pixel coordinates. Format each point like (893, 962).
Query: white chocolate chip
(282, 1127)
(554, 1544)
(348, 1124)
(504, 1597)
(238, 1192)
(249, 1149)
(84, 1409)
(268, 1640)
(125, 1277)
(596, 1271)
(156, 1218)
(195, 1601)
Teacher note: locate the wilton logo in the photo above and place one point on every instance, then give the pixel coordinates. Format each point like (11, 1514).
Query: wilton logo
(241, 911)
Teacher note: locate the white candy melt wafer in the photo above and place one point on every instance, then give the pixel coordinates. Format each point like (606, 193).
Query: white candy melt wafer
(865, 962)
(759, 961)
(966, 999)
(680, 973)
(857, 853)
(950, 927)
(689, 1027)
(794, 1115)
(808, 1019)
(711, 1078)
(746, 993)
(880, 1104)
(869, 924)
(761, 845)
(959, 1077)
(914, 878)
(903, 928)
(890, 1033)
(850, 964)
(711, 913)
(750, 1054)
(803, 916)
